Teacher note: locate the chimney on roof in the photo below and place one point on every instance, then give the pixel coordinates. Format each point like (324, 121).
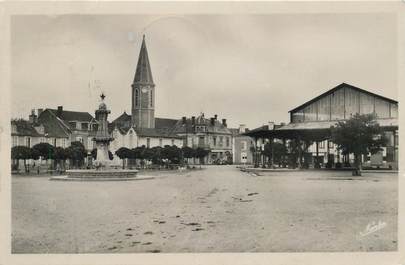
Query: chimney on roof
(271, 125)
(282, 123)
(33, 117)
(59, 112)
(184, 120)
(40, 111)
(224, 122)
(212, 121)
(193, 120)
(242, 128)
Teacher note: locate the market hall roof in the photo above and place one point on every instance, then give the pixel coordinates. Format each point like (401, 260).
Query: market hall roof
(342, 85)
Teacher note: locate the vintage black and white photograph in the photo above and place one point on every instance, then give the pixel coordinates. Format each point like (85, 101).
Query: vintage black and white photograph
(204, 133)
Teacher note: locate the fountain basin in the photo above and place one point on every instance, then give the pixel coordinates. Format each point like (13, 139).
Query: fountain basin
(100, 175)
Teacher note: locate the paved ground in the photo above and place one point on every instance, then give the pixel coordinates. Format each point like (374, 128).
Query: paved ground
(217, 209)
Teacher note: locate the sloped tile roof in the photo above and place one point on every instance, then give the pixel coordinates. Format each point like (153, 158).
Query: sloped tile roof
(123, 118)
(73, 115)
(154, 132)
(163, 127)
(24, 128)
(54, 126)
(165, 123)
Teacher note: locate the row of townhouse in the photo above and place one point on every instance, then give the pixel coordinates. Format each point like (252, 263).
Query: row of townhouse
(54, 126)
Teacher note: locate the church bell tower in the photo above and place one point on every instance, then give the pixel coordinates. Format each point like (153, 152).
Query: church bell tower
(143, 92)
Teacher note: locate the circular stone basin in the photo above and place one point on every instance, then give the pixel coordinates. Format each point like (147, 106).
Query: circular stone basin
(271, 169)
(99, 175)
(108, 173)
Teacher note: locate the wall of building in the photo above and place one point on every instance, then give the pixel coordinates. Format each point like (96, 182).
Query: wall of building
(241, 151)
(85, 137)
(30, 141)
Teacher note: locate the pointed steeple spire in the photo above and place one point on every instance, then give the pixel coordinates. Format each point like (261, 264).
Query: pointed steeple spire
(143, 72)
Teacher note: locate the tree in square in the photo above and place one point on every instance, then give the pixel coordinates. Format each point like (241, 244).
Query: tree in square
(360, 135)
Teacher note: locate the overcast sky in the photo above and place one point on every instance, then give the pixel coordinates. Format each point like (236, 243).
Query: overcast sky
(247, 69)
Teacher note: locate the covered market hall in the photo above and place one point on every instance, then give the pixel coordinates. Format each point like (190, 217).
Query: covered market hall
(309, 130)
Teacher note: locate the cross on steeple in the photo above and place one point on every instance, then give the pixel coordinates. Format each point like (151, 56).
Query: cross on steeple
(102, 96)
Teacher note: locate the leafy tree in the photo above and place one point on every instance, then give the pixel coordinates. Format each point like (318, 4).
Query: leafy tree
(297, 149)
(148, 154)
(359, 135)
(124, 153)
(21, 152)
(34, 154)
(134, 153)
(280, 152)
(156, 155)
(76, 152)
(172, 153)
(188, 152)
(139, 153)
(45, 150)
(201, 153)
(60, 155)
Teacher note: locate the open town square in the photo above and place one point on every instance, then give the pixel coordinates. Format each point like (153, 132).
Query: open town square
(216, 209)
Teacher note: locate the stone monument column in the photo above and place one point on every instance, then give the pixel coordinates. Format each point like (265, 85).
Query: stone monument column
(102, 138)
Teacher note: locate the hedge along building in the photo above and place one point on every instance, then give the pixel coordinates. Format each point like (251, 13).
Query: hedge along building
(312, 121)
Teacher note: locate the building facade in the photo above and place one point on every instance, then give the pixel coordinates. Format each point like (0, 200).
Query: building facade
(242, 146)
(312, 122)
(31, 132)
(341, 103)
(209, 134)
(79, 126)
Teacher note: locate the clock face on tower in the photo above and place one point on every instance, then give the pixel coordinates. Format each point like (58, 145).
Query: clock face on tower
(144, 90)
